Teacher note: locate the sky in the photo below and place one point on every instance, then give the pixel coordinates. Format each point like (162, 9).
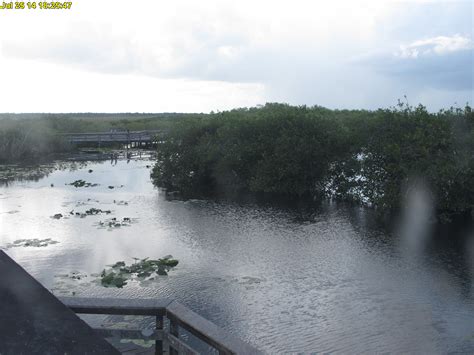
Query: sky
(202, 56)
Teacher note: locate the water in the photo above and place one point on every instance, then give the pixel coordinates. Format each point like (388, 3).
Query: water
(283, 279)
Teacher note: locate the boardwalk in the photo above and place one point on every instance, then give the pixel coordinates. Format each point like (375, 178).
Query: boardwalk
(133, 138)
(34, 321)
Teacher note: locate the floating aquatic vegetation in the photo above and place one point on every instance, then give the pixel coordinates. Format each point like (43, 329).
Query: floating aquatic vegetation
(140, 342)
(115, 187)
(145, 324)
(82, 183)
(121, 203)
(38, 243)
(72, 283)
(12, 212)
(79, 203)
(115, 222)
(142, 270)
(73, 275)
(90, 212)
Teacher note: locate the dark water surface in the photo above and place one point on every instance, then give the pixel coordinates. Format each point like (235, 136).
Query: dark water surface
(283, 279)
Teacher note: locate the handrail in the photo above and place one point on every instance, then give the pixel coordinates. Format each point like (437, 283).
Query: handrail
(119, 306)
(179, 316)
(109, 133)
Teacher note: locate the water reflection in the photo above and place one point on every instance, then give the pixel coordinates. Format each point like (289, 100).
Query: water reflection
(287, 279)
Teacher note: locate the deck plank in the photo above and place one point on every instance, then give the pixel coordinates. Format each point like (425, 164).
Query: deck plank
(34, 321)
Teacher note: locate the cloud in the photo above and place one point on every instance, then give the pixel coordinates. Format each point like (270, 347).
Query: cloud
(301, 52)
(35, 89)
(441, 62)
(211, 40)
(438, 45)
(88, 46)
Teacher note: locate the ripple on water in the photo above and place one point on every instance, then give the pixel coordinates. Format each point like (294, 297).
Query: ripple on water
(286, 280)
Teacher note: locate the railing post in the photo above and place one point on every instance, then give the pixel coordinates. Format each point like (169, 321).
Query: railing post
(174, 331)
(159, 343)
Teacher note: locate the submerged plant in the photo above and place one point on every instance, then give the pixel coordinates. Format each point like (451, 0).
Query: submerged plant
(145, 269)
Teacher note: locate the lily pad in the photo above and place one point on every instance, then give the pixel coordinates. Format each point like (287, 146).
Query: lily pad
(121, 203)
(114, 223)
(90, 212)
(82, 183)
(37, 243)
(142, 270)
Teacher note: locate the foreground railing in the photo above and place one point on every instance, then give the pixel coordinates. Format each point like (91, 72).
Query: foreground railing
(166, 341)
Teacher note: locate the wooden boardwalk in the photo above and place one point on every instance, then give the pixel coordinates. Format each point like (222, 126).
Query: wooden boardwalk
(34, 321)
(132, 138)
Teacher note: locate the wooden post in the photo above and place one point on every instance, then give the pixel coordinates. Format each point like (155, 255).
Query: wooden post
(174, 331)
(159, 343)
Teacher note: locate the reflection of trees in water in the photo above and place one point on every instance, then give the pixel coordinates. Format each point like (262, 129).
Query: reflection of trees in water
(445, 249)
(19, 173)
(451, 249)
(34, 172)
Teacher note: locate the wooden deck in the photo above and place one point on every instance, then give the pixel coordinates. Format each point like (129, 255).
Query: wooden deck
(33, 321)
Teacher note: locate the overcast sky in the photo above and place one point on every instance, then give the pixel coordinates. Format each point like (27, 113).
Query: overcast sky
(203, 55)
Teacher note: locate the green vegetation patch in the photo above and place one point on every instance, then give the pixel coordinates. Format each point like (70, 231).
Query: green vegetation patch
(37, 243)
(114, 223)
(111, 187)
(372, 158)
(145, 269)
(121, 203)
(90, 212)
(82, 183)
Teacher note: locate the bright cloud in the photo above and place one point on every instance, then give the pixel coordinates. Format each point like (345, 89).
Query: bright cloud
(438, 45)
(219, 54)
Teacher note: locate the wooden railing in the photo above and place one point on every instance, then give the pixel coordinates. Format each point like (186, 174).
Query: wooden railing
(118, 136)
(167, 341)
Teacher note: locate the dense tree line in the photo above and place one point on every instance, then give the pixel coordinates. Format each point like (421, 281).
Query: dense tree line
(369, 157)
(31, 136)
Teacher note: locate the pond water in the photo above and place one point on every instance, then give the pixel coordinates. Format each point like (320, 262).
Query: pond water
(283, 279)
